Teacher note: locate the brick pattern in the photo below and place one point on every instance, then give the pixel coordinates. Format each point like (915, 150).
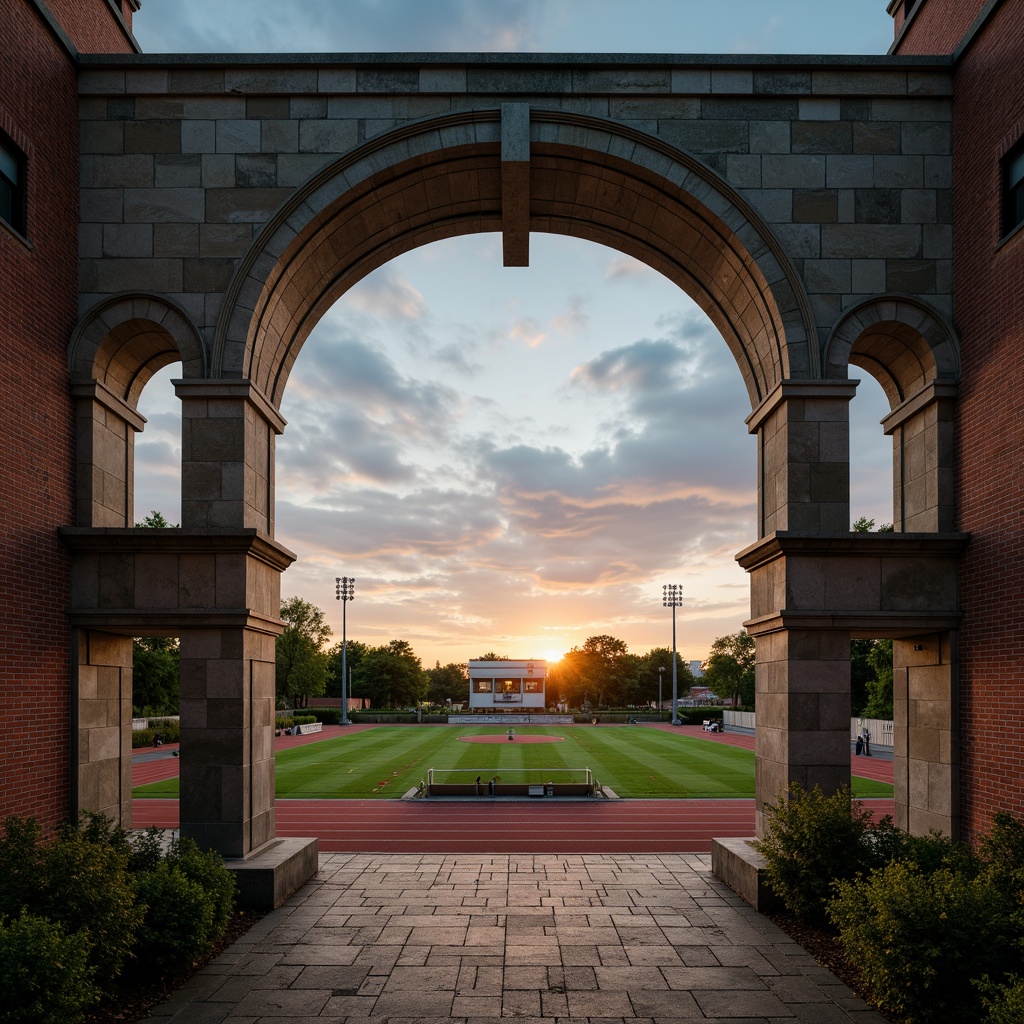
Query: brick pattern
(91, 25)
(990, 315)
(37, 314)
(938, 25)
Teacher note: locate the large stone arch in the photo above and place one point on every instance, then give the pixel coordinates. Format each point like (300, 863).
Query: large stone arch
(587, 177)
(514, 169)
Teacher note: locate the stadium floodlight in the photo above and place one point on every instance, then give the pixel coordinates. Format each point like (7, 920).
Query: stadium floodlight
(344, 591)
(672, 597)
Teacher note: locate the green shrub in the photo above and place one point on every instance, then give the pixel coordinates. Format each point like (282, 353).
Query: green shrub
(1005, 1004)
(178, 923)
(206, 867)
(329, 716)
(283, 723)
(810, 840)
(304, 719)
(84, 884)
(20, 864)
(920, 939)
(168, 728)
(45, 976)
(1002, 852)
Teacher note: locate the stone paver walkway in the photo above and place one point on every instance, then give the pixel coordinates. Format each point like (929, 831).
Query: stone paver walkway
(541, 938)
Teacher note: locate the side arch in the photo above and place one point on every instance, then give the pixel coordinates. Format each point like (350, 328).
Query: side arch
(589, 178)
(122, 341)
(912, 351)
(903, 342)
(113, 353)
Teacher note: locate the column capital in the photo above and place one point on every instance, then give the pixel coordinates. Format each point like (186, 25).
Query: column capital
(232, 389)
(790, 389)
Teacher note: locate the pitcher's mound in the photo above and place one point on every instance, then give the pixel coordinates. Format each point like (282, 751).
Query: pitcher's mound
(503, 738)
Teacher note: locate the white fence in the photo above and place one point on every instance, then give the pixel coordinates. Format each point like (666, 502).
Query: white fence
(880, 729)
(524, 719)
(145, 723)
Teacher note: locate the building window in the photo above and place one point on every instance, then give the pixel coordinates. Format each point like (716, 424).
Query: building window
(1013, 188)
(482, 686)
(533, 686)
(12, 184)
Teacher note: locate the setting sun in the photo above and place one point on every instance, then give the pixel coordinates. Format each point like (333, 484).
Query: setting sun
(552, 656)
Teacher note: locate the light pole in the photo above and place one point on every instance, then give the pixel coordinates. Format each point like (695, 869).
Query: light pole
(661, 676)
(344, 591)
(672, 597)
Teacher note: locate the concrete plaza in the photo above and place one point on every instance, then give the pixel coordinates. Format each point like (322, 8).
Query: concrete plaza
(469, 938)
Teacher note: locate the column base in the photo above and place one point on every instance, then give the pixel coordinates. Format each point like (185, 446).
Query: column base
(742, 868)
(271, 873)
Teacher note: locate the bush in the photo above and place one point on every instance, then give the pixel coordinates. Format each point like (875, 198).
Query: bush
(206, 868)
(168, 728)
(84, 884)
(329, 716)
(179, 919)
(1005, 1004)
(303, 719)
(919, 939)
(45, 975)
(80, 880)
(809, 840)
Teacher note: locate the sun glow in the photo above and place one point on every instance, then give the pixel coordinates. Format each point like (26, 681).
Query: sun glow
(552, 656)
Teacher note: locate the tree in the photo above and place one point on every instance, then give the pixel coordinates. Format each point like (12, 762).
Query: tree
(601, 673)
(448, 683)
(155, 521)
(879, 703)
(491, 656)
(301, 669)
(155, 661)
(391, 676)
(353, 655)
(729, 669)
(646, 678)
(861, 673)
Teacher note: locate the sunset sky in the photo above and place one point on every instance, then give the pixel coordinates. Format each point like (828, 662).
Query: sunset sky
(514, 459)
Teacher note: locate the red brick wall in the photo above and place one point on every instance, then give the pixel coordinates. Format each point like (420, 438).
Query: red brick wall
(91, 25)
(989, 303)
(38, 282)
(938, 26)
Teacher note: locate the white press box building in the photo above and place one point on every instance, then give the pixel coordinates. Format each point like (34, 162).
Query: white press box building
(507, 684)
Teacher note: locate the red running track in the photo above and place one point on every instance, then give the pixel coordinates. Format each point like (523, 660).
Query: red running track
(501, 826)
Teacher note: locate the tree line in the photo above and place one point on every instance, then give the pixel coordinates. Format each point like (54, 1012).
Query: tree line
(602, 672)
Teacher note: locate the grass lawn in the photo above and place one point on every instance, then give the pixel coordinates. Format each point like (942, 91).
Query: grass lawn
(386, 762)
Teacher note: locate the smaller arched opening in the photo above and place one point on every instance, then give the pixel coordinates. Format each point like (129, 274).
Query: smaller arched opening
(114, 353)
(912, 351)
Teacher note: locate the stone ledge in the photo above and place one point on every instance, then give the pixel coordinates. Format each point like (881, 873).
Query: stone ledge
(742, 868)
(270, 874)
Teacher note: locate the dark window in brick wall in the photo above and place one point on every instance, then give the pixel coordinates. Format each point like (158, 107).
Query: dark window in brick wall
(12, 184)
(1013, 188)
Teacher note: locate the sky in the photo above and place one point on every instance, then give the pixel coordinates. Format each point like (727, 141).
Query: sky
(515, 459)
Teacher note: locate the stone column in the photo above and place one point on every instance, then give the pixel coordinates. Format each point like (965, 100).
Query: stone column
(803, 431)
(105, 476)
(925, 716)
(102, 725)
(803, 712)
(923, 431)
(227, 738)
(228, 431)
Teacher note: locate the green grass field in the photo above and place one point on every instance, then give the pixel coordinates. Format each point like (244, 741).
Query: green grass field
(386, 762)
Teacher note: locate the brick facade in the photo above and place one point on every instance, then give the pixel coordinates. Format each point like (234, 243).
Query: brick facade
(989, 313)
(38, 312)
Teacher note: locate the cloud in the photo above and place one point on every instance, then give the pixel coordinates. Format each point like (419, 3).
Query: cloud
(625, 268)
(386, 295)
(324, 26)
